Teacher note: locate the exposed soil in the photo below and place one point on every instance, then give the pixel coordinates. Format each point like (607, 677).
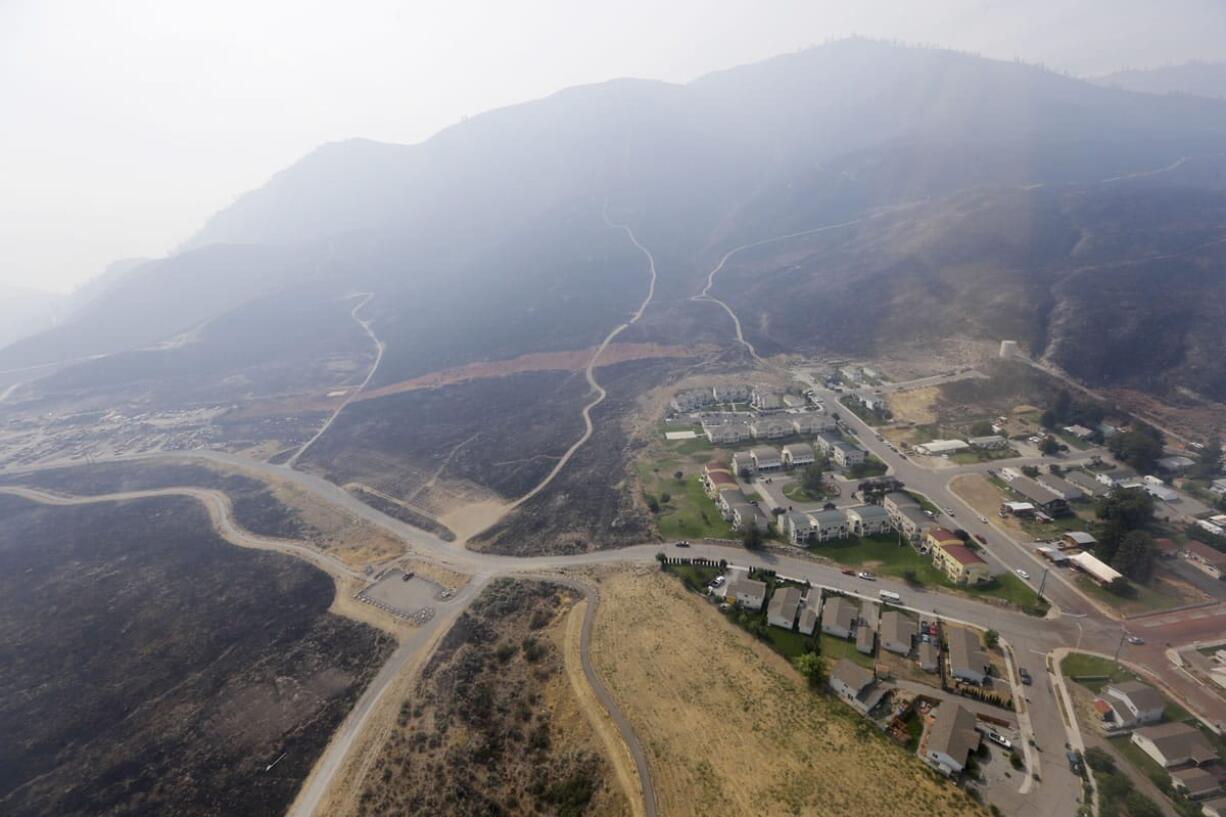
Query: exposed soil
(492, 726)
(729, 726)
(153, 668)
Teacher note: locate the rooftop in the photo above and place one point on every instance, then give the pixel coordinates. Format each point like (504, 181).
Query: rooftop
(1143, 696)
(953, 732)
(962, 554)
(964, 650)
(1177, 741)
(852, 674)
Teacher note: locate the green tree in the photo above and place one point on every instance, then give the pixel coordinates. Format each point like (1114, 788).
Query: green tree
(981, 428)
(1031, 471)
(751, 537)
(665, 497)
(991, 639)
(1135, 556)
(1120, 586)
(1049, 445)
(1140, 447)
(811, 478)
(1209, 460)
(679, 475)
(810, 666)
(653, 504)
(1048, 419)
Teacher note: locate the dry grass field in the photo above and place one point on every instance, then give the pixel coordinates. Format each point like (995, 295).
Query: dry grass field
(729, 726)
(916, 405)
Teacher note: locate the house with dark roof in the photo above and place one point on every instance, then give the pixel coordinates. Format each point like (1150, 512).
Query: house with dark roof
(857, 686)
(1214, 808)
(1042, 498)
(1132, 703)
(967, 660)
(784, 603)
(866, 639)
(1208, 559)
(928, 656)
(1174, 744)
(952, 738)
(1195, 782)
(1061, 487)
(898, 632)
(1087, 483)
(838, 617)
(810, 609)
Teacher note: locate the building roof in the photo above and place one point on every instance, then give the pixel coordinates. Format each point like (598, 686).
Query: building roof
(864, 639)
(943, 535)
(895, 627)
(902, 499)
(1063, 486)
(989, 439)
(928, 653)
(750, 587)
(914, 513)
(1206, 553)
(852, 674)
(942, 446)
(838, 612)
(1096, 567)
(845, 447)
(1085, 482)
(1032, 490)
(799, 519)
(870, 513)
(721, 478)
(1080, 537)
(830, 517)
(764, 452)
(1216, 806)
(1177, 741)
(953, 732)
(1143, 696)
(784, 602)
(964, 650)
(962, 554)
(799, 450)
(1196, 781)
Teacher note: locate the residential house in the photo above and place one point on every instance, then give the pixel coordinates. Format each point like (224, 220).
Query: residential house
(846, 455)
(691, 400)
(826, 441)
(895, 500)
(856, 685)
(928, 656)
(911, 522)
(746, 592)
(1208, 559)
(810, 610)
(869, 401)
(939, 447)
(781, 612)
(852, 374)
(726, 433)
(742, 464)
(868, 520)
(940, 536)
(1088, 484)
(989, 442)
(1214, 808)
(811, 422)
(1061, 487)
(746, 515)
(798, 455)
(1117, 477)
(1161, 491)
(1077, 539)
(1079, 431)
(1194, 782)
(1174, 744)
(734, 393)
(952, 738)
(838, 617)
(766, 458)
(727, 500)
(967, 660)
(766, 400)
(829, 525)
(898, 631)
(771, 428)
(798, 527)
(1042, 498)
(1132, 703)
(866, 639)
(961, 564)
(1024, 510)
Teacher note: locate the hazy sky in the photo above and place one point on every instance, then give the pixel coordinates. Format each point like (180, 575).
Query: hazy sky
(125, 123)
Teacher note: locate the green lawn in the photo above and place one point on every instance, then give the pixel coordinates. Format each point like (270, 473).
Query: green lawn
(835, 648)
(884, 555)
(799, 493)
(1145, 600)
(983, 455)
(1078, 664)
(688, 514)
(1140, 761)
(694, 577)
(689, 447)
(787, 643)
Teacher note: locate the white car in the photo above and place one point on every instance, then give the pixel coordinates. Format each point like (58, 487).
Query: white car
(1000, 739)
(864, 574)
(983, 519)
(1022, 573)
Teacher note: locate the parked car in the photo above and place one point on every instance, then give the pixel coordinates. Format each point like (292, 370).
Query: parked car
(949, 512)
(1074, 762)
(864, 574)
(1024, 674)
(981, 539)
(1000, 740)
(1135, 639)
(1022, 573)
(683, 544)
(849, 572)
(719, 581)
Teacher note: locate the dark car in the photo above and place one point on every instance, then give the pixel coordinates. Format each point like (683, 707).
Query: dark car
(1024, 674)
(683, 544)
(983, 540)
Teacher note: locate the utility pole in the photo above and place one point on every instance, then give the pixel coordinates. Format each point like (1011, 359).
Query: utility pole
(1120, 646)
(1042, 582)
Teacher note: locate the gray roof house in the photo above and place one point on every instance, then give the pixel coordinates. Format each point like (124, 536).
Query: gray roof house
(766, 458)
(846, 454)
(749, 593)
(1061, 487)
(967, 660)
(781, 612)
(829, 525)
(856, 685)
(1214, 808)
(952, 738)
(1087, 483)
(1174, 744)
(912, 522)
(868, 520)
(866, 639)
(838, 617)
(809, 610)
(798, 454)
(798, 526)
(897, 632)
(1133, 703)
(1195, 782)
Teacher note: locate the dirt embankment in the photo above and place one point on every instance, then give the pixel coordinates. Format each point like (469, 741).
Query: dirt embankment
(493, 725)
(729, 726)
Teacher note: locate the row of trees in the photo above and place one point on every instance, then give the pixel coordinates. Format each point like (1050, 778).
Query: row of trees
(1123, 539)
